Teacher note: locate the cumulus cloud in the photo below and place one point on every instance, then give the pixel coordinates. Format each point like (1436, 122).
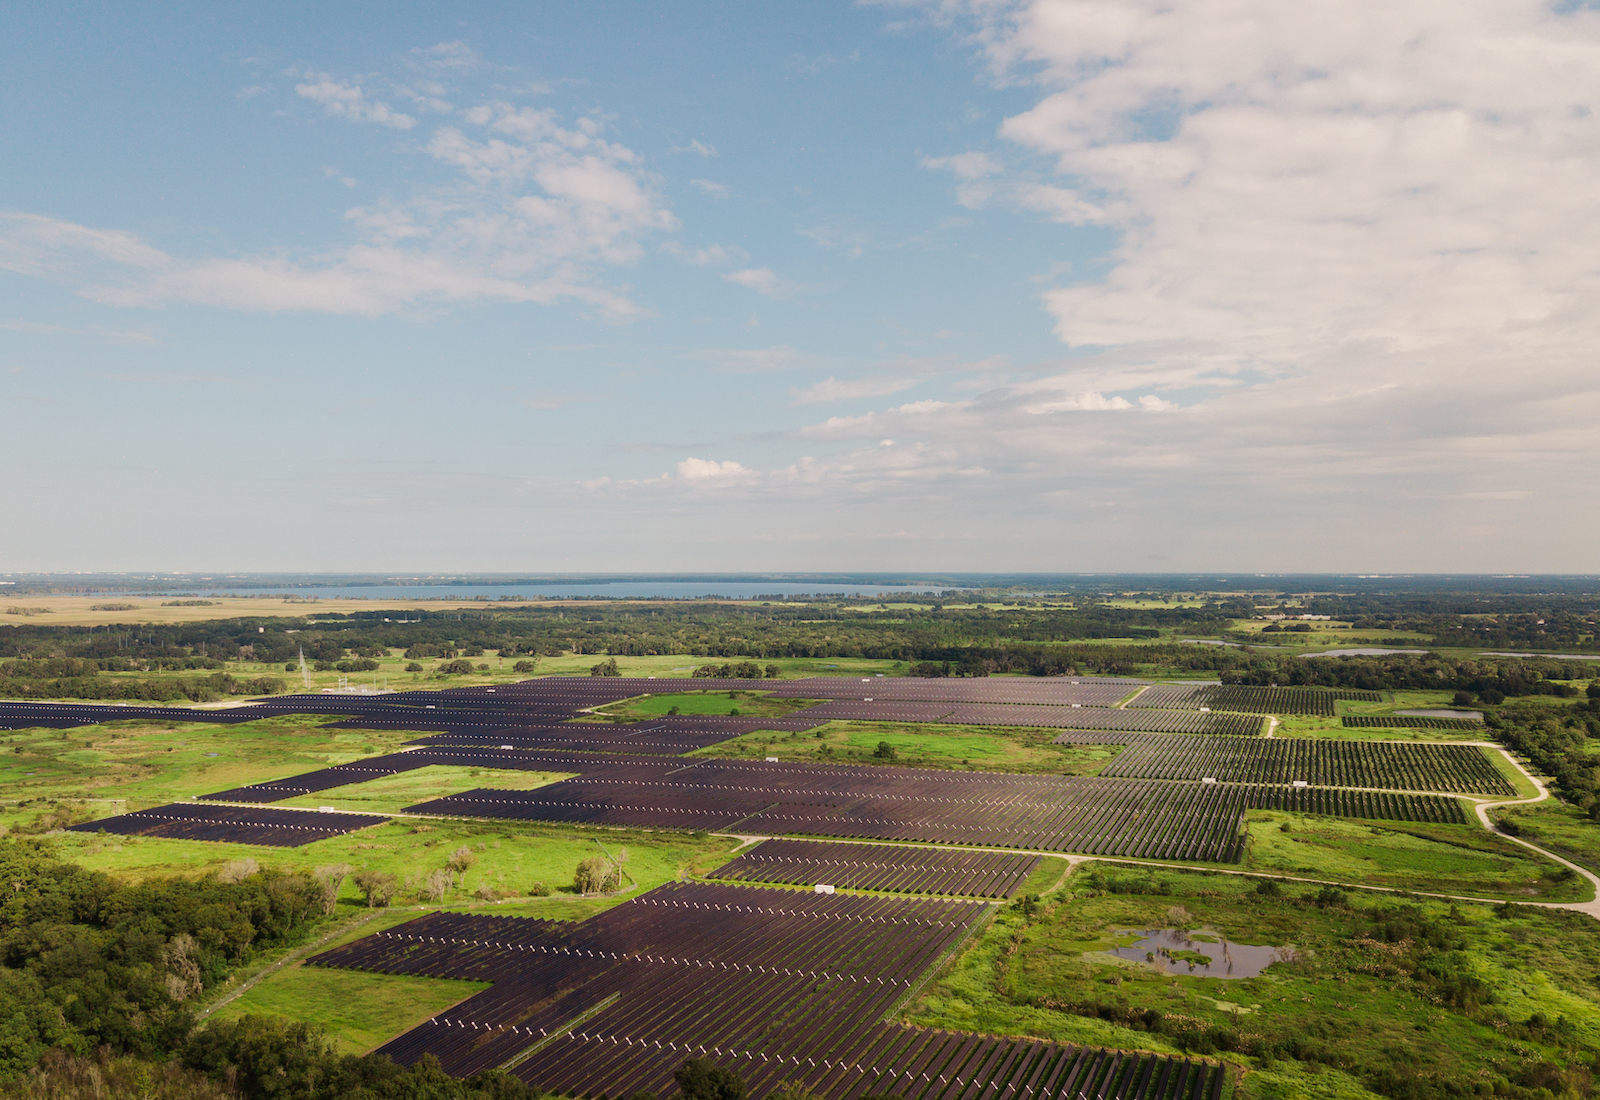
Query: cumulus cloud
(341, 100)
(538, 210)
(1354, 256)
(762, 280)
(710, 470)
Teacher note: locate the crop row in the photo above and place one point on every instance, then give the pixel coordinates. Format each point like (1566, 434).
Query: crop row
(234, 824)
(1409, 722)
(773, 984)
(890, 867)
(1413, 767)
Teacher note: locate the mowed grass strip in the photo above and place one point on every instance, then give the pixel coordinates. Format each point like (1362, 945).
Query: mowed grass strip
(923, 745)
(754, 704)
(393, 793)
(358, 1011)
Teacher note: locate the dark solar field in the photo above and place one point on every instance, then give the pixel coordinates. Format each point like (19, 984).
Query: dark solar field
(1127, 817)
(888, 867)
(1255, 700)
(1410, 721)
(777, 985)
(1379, 764)
(235, 824)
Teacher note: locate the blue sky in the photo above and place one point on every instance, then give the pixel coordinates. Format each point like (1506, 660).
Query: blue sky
(1061, 284)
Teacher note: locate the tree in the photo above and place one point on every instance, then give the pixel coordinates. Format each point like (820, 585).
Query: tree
(330, 880)
(701, 1079)
(608, 667)
(437, 884)
(885, 751)
(597, 875)
(377, 887)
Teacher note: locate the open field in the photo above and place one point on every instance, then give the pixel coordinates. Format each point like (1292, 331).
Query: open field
(753, 703)
(510, 858)
(393, 793)
(923, 745)
(134, 765)
(1363, 996)
(357, 1011)
(1439, 858)
(1563, 829)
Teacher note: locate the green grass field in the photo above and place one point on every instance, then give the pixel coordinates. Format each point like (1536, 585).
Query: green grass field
(393, 793)
(1445, 859)
(511, 857)
(987, 748)
(1563, 829)
(752, 703)
(135, 765)
(1351, 1004)
(356, 1010)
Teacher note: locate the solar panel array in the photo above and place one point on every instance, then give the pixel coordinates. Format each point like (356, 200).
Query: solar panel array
(1379, 764)
(277, 828)
(889, 867)
(776, 985)
(1099, 816)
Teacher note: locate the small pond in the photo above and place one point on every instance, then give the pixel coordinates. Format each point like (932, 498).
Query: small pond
(1199, 953)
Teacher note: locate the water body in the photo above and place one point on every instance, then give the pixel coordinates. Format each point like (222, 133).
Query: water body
(1183, 953)
(634, 590)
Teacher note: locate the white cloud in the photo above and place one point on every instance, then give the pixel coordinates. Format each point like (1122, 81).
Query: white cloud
(1355, 253)
(448, 56)
(699, 148)
(349, 101)
(967, 166)
(762, 280)
(709, 470)
(715, 190)
(537, 211)
(831, 389)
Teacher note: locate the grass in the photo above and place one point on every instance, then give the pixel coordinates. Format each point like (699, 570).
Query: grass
(357, 1010)
(1565, 830)
(134, 765)
(1352, 1005)
(985, 748)
(511, 857)
(393, 793)
(1446, 859)
(753, 703)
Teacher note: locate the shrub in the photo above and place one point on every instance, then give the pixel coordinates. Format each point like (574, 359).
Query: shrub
(702, 1079)
(378, 887)
(459, 667)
